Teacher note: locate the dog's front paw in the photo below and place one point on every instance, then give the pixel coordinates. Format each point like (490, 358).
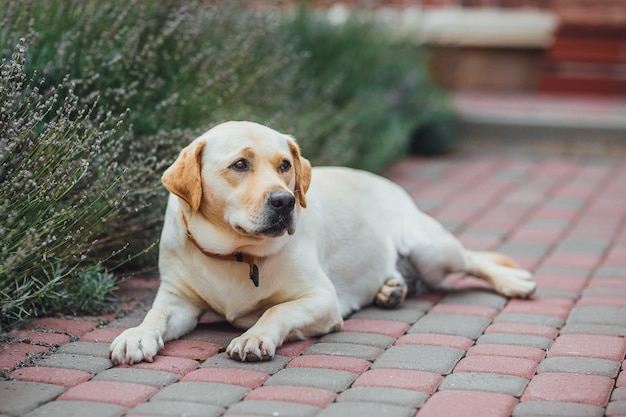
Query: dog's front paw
(135, 345)
(251, 348)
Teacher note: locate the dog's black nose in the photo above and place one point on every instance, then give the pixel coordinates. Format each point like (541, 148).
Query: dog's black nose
(282, 201)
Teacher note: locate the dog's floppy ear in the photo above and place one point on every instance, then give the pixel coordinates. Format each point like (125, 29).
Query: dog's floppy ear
(303, 172)
(183, 178)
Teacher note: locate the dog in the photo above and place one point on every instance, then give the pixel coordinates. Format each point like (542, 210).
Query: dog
(285, 251)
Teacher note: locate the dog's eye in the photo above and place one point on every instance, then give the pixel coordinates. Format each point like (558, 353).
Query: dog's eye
(285, 166)
(240, 165)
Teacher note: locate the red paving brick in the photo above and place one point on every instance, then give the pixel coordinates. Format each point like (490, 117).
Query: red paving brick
(120, 393)
(501, 365)
(53, 339)
(304, 395)
(180, 366)
(58, 376)
(521, 328)
(73, 327)
(464, 309)
(524, 352)
(13, 354)
(458, 342)
(468, 404)
(293, 349)
(103, 335)
(190, 349)
(589, 346)
(244, 378)
(384, 327)
(399, 378)
(569, 387)
(340, 363)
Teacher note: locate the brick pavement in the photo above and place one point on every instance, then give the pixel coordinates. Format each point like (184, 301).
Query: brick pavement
(464, 353)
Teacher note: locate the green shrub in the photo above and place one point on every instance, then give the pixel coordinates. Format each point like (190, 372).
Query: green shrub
(59, 187)
(349, 95)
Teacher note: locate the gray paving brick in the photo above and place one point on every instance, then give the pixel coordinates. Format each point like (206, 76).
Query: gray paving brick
(616, 408)
(91, 364)
(470, 381)
(86, 348)
(17, 398)
(562, 270)
(176, 409)
(515, 339)
(549, 292)
(615, 316)
(328, 379)
(401, 397)
(594, 329)
(272, 409)
(611, 271)
(577, 245)
(77, 409)
(402, 314)
(556, 409)
(475, 298)
(222, 360)
(604, 292)
(417, 304)
(537, 319)
(367, 339)
(451, 324)
(618, 394)
(437, 359)
(221, 337)
(532, 249)
(345, 349)
(138, 376)
(588, 366)
(221, 395)
(345, 408)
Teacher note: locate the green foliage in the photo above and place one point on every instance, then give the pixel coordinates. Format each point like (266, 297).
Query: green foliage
(349, 94)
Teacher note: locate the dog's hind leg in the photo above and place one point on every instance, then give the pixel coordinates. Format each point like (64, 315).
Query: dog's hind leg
(392, 293)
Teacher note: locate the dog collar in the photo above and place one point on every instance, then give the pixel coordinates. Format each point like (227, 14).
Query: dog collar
(237, 256)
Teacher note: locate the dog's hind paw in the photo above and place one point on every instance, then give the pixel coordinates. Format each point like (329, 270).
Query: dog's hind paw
(391, 294)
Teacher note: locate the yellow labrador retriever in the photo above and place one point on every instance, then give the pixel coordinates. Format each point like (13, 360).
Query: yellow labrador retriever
(285, 251)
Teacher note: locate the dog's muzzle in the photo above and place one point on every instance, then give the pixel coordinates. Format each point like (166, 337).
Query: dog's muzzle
(281, 206)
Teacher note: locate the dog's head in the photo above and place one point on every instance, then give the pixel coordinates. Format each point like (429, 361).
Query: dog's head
(244, 178)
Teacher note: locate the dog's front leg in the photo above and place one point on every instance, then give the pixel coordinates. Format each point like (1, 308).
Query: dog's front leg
(170, 317)
(308, 316)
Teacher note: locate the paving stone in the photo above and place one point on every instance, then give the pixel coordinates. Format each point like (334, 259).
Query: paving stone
(586, 389)
(295, 348)
(77, 409)
(190, 349)
(103, 335)
(366, 339)
(515, 339)
(345, 349)
(502, 365)
(616, 408)
(593, 346)
(611, 271)
(339, 363)
(401, 314)
(400, 378)
(269, 367)
(437, 359)
(595, 246)
(272, 408)
(514, 248)
(58, 325)
(463, 309)
(588, 366)
(347, 408)
(176, 409)
(180, 366)
(157, 379)
(91, 364)
(473, 381)
(526, 352)
(451, 324)
(556, 409)
(327, 379)
(537, 319)
(607, 330)
(468, 404)
(395, 396)
(121, 393)
(86, 348)
(384, 327)
(222, 395)
(17, 398)
(523, 328)
(43, 338)
(302, 395)
(551, 292)
(618, 394)
(603, 315)
(57, 376)
(475, 298)
(240, 377)
(13, 354)
(457, 342)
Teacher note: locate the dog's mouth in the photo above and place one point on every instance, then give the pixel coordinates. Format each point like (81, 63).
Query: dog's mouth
(276, 228)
